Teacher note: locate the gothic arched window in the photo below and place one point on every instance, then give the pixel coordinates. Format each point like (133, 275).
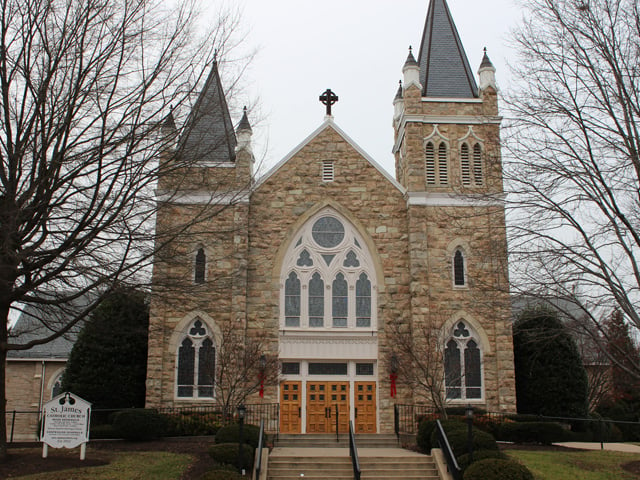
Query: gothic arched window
(328, 279)
(200, 266)
(463, 364)
(477, 165)
(465, 165)
(196, 363)
(436, 166)
(459, 269)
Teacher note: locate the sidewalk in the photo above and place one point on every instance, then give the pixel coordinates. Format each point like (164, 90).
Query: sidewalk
(615, 447)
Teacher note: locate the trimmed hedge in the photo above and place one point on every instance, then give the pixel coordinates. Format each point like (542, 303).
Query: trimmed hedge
(185, 424)
(497, 469)
(231, 434)
(228, 453)
(139, 424)
(457, 433)
(545, 433)
(225, 472)
(464, 461)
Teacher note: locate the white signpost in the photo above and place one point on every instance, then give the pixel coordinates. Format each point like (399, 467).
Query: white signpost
(65, 423)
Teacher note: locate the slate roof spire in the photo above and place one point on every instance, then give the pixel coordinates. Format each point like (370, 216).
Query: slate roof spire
(209, 134)
(444, 67)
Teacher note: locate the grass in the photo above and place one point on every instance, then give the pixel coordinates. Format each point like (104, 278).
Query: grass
(125, 466)
(590, 465)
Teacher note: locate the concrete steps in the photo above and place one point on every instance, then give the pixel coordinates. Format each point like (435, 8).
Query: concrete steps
(306, 456)
(317, 440)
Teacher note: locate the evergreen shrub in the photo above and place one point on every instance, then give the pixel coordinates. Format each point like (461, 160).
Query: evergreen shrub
(497, 469)
(457, 434)
(544, 433)
(231, 434)
(139, 424)
(423, 437)
(228, 453)
(464, 460)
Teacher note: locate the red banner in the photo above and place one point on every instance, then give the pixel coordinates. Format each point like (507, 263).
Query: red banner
(393, 377)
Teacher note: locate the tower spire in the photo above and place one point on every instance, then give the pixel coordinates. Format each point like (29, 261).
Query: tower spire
(444, 67)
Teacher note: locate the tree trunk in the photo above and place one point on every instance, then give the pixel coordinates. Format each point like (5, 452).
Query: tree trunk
(4, 322)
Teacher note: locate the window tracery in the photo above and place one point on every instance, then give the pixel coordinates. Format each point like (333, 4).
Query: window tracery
(329, 282)
(463, 364)
(196, 362)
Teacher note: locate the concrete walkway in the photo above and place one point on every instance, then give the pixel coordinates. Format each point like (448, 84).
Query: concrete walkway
(614, 447)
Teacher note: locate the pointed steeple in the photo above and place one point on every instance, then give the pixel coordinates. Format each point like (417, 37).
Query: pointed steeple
(444, 67)
(487, 72)
(209, 135)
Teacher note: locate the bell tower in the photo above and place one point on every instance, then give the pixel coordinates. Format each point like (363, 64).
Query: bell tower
(447, 152)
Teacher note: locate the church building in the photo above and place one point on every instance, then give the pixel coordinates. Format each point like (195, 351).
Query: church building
(332, 265)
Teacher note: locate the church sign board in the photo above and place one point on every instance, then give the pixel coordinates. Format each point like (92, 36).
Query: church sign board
(65, 423)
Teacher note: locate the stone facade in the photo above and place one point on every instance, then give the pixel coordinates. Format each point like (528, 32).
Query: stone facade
(408, 231)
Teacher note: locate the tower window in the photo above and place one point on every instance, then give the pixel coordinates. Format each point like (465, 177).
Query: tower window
(443, 167)
(436, 167)
(459, 277)
(196, 363)
(477, 164)
(463, 364)
(200, 266)
(327, 171)
(465, 166)
(430, 164)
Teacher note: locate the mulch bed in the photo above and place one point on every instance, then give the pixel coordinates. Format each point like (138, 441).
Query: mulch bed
(26, 460)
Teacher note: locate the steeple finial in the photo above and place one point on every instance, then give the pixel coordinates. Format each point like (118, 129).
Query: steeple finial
(487, 72)
(411, 60)
(244, 122)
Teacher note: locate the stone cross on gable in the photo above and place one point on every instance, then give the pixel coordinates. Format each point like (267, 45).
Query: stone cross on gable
(328, 98)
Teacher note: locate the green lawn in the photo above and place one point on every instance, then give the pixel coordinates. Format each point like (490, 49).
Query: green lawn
(126, 466)
(578, 465)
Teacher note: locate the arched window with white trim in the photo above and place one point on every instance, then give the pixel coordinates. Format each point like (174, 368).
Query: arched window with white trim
(436, 163)
(459, 269)
(477, 165)
(328, 279)
(196, 362)
(463, 364)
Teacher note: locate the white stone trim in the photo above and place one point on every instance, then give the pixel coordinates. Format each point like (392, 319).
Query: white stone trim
(329, 347)
(428, 199)
(204, 198)
(451, 99)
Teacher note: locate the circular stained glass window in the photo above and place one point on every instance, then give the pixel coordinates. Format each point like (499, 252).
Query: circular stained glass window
(328, 232)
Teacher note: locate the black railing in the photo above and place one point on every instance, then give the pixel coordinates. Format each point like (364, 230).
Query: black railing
(258, 466)
(443, 441)
(337, 424)
(353, 453)
(194, 420)
(396, 421)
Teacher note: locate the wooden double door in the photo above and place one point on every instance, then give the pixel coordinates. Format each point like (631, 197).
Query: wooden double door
(326, 402)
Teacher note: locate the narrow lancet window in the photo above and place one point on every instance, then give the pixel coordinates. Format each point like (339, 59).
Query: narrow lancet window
(200, 267)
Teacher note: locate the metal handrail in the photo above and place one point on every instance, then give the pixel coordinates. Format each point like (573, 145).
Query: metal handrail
(337, 424)
(454, 469)
(353, 453)
(258, 465)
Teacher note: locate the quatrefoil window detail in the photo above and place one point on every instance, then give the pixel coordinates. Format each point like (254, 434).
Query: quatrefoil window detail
(197, 330)
(351, 260)
(461, 331)
(304, 260)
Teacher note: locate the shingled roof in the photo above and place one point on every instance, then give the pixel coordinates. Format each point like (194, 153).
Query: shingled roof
(209, 135)
(39, 321)
(444, 67)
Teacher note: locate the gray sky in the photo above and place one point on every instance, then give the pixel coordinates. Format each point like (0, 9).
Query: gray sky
(356, 48)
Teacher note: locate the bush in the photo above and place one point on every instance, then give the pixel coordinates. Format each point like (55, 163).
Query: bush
(497, 469)
(228, 453)
(457, 434)
(139, 424)
(192, 424)
(423, 438)
(545, 433)
(231, 434)
(102, 431)
(464, 460)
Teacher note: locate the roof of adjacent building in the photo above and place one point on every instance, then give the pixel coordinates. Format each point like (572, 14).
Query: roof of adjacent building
(40, 321)
(209, 135)
(444, 67)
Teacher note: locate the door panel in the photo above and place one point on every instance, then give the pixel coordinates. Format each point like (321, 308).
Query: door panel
(290, 406)
(365, 407)
(322, 398)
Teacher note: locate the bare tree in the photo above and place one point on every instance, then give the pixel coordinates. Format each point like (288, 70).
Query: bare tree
(420, 363)
(573, 166)
(242, 369)
(84, 87)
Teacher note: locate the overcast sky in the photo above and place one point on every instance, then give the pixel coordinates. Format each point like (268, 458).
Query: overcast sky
(357, 48)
